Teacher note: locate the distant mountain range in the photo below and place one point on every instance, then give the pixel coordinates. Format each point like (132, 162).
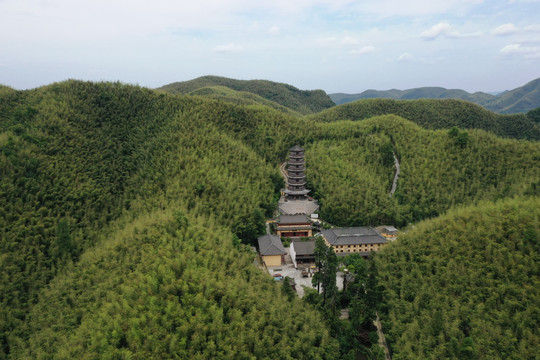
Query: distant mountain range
(519, 100)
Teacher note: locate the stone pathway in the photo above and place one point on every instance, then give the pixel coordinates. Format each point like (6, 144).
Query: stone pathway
(293, 207)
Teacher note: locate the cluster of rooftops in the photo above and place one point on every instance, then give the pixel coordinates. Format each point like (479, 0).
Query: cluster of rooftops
(343, 241)
(299, 229)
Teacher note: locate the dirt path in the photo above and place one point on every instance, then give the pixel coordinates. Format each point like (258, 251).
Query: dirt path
(396, 177)
(283, 172)
(382, 340)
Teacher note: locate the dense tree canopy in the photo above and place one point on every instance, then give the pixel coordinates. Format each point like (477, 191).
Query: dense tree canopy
(302, 101)
(125, 216)
(465, 285)
(437, 114)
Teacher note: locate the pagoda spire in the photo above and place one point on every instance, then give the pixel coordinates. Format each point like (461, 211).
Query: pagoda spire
(296, 175)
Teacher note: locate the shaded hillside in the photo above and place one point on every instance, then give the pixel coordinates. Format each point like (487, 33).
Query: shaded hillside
(534, 115)
(519, 100)
(465, 285)
(125, 213)
(239, 98)
(106, 189)
(350, 164)
(302, 101)
(162, 287)
(437, 114)
(414, 94)
(439, 170)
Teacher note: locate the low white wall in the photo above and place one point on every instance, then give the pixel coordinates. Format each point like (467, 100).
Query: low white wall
(292, 252)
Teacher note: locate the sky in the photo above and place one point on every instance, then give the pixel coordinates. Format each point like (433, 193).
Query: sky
(334, 45)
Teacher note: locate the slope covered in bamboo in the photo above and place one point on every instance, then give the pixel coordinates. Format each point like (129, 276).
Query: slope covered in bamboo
(465, 285)
(83, 168)
(125, 214)
(302, 101)
(437, 114)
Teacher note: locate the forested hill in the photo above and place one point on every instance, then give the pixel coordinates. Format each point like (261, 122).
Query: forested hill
(414, 94)
(126, 215)
(122, 211)
(519, 100)
(302, 101)
(465, 285)
(438, 114)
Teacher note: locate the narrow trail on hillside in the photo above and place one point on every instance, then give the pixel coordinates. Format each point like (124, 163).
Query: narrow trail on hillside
(396, 176)
(382, 340)
(283, 172)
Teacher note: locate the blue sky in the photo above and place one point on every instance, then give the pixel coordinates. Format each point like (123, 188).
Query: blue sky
(334, 45)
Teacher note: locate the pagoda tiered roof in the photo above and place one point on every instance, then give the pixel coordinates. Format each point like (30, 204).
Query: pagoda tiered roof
(296, 148)
(296, 162)
(300, 169)
(296, 176)
(298, 192)
(298, 183)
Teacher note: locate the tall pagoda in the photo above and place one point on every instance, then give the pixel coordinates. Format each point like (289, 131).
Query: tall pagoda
(296, 175)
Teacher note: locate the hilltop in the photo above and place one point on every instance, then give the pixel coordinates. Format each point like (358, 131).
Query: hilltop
(519, 100)
(302, 101)
(437, 114)
(465, 285)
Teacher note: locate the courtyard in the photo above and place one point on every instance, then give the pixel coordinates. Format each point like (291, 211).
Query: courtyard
(288, 269)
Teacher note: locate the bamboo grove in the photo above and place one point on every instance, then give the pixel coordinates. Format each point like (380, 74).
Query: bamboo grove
(126, 216)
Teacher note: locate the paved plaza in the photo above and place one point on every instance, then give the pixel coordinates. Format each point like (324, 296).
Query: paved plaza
(293, 207)
(287, 269)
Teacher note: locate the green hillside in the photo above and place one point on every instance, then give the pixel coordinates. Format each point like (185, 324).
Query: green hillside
(465, 285)
(353, 178)
(534, 115)
(84, 168)
(437, 114)
(519, 100)
(239, 98)
(126, 215)
(302, 101)
(414, 94)
(350, 164)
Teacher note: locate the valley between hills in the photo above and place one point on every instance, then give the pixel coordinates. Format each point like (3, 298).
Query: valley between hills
(127, 217)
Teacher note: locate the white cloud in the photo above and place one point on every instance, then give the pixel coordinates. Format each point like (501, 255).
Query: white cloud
(274, 30)
(405, 57)
(446, 30)
(505, 29)
(330, 40)
(532, 28)
(364, 50)
(347, 40)
(528, 52)
(228, 48)
(436, 31)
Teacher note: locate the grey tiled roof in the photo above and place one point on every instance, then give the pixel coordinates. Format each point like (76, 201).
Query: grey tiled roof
(304, 247)
(353, 236)
(292, 219)
(270, 245)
